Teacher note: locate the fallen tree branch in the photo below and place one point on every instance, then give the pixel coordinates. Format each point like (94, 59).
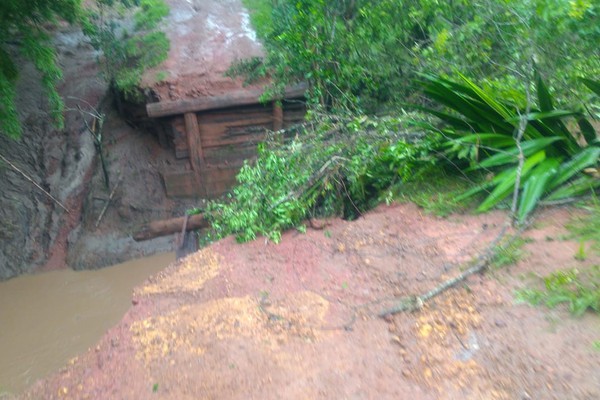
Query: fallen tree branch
(413, 303)
(108, 202)
(14, 167)
(96, 131)
(312, 180)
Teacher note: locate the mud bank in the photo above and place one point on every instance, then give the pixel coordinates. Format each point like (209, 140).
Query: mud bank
(297, 320)
(35, 228)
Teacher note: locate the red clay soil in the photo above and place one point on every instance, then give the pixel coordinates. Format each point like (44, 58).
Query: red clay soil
(206, 37)
(298, 320)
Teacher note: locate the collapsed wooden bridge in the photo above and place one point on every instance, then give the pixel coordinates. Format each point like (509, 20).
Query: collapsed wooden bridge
(216, 134)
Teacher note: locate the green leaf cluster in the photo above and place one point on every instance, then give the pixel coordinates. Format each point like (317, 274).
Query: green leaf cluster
(481, 131)
(353, 53)
(578, 289)
(330, 166)
(126, 54)
(23, 27)
(363, 55)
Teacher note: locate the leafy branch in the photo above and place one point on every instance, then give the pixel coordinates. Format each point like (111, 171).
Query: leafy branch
(331, 165)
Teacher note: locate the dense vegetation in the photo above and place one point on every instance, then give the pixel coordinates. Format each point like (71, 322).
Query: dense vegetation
(26, 27)
(22, 24)
(491, 90)
(365, 54)
(126, 54)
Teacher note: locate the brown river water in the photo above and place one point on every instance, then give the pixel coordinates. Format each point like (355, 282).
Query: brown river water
(46, 319)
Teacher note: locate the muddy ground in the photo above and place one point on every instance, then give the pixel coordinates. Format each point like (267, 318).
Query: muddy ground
(298, 320)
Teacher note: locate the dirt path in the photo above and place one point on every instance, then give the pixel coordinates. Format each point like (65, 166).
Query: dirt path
(295, 321)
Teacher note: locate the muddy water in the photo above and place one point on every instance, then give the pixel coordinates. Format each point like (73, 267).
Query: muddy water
(46, 319)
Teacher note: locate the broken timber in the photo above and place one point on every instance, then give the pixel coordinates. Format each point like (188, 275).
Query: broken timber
(216, 134)
(232, 99)
(170, 226)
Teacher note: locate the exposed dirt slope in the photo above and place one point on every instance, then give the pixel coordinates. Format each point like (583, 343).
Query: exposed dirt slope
(296, 320)
(206, 37)
(34, 229)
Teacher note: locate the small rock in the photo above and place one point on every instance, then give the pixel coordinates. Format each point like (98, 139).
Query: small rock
(499, 323)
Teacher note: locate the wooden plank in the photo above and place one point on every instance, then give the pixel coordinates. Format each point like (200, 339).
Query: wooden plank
(231, 99)
(180, 141)
(196, 154)
(277, 116)
(219, 180)
(181, 184)
(239, 112)
(230, 155)
(237, 133)
(216, 181)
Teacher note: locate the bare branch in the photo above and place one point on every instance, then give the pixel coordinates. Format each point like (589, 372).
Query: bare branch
(14, 167)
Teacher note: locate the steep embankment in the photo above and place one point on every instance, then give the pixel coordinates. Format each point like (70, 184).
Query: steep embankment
(35, 228)
(206, 36)
(36, 231)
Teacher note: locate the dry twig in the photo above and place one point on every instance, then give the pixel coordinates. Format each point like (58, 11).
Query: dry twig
(414, 303)
(14, 167)
(108, 202)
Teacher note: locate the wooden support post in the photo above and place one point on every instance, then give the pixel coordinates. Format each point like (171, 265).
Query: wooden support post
(277, 116)
(196, 152)
(192, 131)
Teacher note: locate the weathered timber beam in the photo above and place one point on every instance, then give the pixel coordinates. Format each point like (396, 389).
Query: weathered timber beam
(169, 226)
(192, 131)
(277, 116)
(232, 99)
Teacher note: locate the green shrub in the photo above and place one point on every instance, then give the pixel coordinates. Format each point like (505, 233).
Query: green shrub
(481, 135)
(331, 166)
(127, 54)
(580, 290)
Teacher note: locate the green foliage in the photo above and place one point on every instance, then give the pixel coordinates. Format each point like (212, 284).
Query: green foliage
(127, 54)
(509, 251)
(23, 26)
(481, 134)
(437, 191)
(581, 254)
(261, 204)
(580, 290)
(352, 53)
(364, 54)
(333, 166)
(493, 40)
(587, 228)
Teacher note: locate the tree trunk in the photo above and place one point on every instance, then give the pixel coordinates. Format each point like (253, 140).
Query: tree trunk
(169, 226)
